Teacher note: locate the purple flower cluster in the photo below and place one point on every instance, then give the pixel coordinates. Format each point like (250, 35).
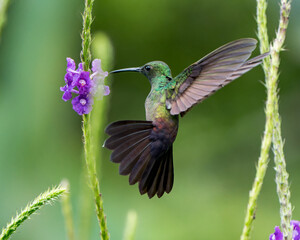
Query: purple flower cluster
(83, 84)
(277, 235)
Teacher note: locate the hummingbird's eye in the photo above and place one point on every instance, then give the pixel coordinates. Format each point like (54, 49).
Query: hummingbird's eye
(147, 68)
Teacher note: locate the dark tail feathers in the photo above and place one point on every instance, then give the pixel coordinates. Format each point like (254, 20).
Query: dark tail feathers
(147, 159)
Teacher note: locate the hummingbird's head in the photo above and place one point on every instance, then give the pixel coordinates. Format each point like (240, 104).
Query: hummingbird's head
(156, 69)
(151, 70)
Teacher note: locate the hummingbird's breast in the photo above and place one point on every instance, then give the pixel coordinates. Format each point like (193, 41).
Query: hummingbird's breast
(166, 125)
(155, 107)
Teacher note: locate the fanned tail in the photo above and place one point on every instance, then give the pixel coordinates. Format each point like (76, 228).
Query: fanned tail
(143, 154)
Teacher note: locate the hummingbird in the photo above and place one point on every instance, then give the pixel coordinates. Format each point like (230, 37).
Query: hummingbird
(144, 149)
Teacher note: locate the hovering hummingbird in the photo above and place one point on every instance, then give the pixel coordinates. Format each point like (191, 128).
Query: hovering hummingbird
(144, 148)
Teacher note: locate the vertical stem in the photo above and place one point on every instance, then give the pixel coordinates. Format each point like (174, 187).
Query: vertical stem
(280, 164)
(262, 32)
(91, 166)
(101, 48)
(273, 124)
(267, 138)
(85, 54)
(86, 125)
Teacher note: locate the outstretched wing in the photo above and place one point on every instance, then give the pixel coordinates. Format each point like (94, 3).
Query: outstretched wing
(215, 70)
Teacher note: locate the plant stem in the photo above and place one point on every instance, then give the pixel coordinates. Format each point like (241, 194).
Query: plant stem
(91, 167)
(101, 48)
(86, 125)
(262, 33)
(273, 125)
(85, 54)
(267, 138)
(43, 199)
(280, 164)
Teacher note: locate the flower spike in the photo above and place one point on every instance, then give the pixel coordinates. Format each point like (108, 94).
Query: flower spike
(84, 84)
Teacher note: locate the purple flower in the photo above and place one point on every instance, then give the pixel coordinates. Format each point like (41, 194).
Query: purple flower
(296, 231)
(69, 87)
(98, 77)
(277, 235)
(70, 79)
(84, 83)
(70, 64)
(82, 104)
(80, 82)
(67, 93)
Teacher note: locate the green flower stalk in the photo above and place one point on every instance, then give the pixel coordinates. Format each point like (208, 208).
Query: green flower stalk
(101, 48)
(262, 33)
(86, 125)
(43, 199)
(280, 164)
(91, 166)
(273, 125)
(267, 138)
(85, 54)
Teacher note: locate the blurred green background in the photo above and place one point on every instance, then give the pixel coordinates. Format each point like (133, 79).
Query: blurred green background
(218, 142)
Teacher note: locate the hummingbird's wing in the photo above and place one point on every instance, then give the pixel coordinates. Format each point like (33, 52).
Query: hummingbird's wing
(215, 70)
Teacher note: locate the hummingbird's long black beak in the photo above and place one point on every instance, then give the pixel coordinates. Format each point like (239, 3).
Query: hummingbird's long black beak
(137, 69)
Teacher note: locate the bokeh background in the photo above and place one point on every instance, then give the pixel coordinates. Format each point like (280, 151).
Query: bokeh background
(218, 142)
